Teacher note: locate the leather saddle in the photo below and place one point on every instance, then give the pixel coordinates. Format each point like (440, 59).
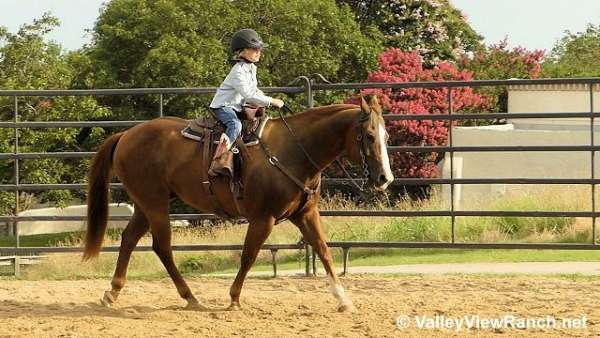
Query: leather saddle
(252, 129)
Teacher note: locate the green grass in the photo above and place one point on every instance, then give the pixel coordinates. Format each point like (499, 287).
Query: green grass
(37, 240)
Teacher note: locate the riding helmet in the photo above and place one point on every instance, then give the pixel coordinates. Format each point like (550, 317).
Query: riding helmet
(246, 38)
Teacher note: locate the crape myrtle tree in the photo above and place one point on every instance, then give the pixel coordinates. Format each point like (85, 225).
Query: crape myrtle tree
(434, 29)
(397, 66)
(498, 61)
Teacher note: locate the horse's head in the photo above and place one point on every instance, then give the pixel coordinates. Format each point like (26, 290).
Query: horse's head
(367, 145)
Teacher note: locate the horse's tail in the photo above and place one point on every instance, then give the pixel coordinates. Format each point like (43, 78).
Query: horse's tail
(97, 200)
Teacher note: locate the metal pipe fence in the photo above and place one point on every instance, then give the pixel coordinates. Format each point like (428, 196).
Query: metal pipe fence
(308, 86)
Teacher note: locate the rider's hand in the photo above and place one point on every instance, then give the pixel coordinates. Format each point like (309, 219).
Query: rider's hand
(277, 103)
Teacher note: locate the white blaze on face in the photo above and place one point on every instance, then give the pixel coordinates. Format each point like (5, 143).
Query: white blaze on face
(384, 158)
(338, 292)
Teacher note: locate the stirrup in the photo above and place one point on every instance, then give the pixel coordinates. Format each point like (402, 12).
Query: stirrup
(250, 139)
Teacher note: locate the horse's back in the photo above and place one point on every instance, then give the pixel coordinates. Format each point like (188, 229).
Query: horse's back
(152, 150)
(150, 137)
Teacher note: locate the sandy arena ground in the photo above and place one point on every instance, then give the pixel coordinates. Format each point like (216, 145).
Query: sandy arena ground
(295, 306)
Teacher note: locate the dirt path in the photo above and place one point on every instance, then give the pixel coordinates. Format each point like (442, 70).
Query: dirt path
(293, 306)
(528, 268)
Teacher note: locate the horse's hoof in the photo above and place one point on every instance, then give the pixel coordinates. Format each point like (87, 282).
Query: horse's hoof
(107, 300)
(234, 306)
(348, 308)
(194, 305)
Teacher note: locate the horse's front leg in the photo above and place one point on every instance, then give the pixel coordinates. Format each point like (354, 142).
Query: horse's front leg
(257, 233)
(309, 223)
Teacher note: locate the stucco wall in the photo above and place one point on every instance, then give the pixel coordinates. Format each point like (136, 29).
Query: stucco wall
(551, 98)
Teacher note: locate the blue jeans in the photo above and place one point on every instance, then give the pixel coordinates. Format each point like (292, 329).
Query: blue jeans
(233, 125)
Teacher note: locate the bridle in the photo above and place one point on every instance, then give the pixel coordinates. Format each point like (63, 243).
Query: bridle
(361, 140)
(360, 187)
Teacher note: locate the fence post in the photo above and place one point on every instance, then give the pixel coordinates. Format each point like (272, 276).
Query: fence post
(309, 93)
(346, 253)
(16, 172)
(309, 104)
(314, 262)
(593, 165)
(306, 260)
(160, 105)
(452, 216)
(17, 265)
(274, 260)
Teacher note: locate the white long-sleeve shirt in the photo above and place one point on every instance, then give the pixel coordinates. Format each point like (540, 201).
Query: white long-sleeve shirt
(239, 87)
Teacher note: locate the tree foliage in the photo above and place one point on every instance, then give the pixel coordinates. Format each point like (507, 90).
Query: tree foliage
(575, 55)
(498, 61)
(27, 61)
(433, 28)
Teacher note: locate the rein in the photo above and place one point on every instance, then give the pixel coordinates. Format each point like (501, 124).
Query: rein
(274, 161)
(296, 137)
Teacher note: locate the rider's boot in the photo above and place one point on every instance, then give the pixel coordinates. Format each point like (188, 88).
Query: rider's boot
(222, 162)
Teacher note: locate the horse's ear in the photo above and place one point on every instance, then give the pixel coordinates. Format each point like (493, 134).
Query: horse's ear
(374, 103)
(364, 106)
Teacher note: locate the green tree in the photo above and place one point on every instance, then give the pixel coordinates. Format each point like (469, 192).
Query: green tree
(433, 28)
(27, 61)
(176, 43)
(575, 55)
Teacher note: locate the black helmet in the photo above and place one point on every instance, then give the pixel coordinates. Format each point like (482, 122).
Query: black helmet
(246, 38)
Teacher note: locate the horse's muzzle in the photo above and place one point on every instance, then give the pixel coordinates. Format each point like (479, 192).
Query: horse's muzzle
(382, 181)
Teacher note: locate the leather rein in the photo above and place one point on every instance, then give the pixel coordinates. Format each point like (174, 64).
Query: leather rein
(308, 192)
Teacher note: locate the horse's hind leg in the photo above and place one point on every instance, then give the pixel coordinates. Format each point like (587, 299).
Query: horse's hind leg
(309, 223)
(136, 228)
(161, 244)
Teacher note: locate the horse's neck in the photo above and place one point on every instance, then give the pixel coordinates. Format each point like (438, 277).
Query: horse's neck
(322, 132)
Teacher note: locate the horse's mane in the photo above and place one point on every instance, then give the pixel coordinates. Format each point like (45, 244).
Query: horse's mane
(322, 111)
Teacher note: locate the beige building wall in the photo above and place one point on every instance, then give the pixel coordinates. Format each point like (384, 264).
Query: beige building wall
(551, 98)
(525, 132)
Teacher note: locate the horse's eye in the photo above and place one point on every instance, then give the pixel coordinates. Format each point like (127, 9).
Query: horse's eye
(371, 138)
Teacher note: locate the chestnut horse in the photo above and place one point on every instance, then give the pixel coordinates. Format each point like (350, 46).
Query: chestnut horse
(155, 163)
